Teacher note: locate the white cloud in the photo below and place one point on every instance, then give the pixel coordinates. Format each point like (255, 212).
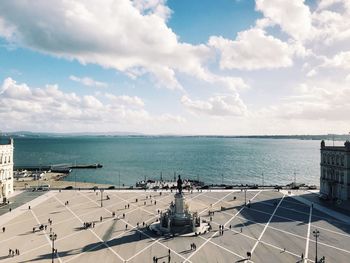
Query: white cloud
(340, 60)
(316, 100)
(157, 7)
(252, 50)
(329, 3)
(21, 106)
(118, 34)
(218, 105)
(294, 17)
(311, 73)
(347, 78)
(88, 81)
(125, 100)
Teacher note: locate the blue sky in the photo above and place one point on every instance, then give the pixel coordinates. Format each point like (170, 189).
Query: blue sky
(175, 67)
(195, 21)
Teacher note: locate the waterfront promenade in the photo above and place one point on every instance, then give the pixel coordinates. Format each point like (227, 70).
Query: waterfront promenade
(274, 227)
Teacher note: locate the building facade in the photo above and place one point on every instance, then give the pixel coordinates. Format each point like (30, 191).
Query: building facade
(6, 168)
(335, 171)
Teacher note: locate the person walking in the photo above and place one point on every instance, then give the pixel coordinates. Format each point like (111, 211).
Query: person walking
(3, 229)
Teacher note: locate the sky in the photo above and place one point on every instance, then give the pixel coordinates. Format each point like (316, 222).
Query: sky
(199, 67)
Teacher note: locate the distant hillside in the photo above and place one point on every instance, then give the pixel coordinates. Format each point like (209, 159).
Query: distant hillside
(336, 137)
(47, 134)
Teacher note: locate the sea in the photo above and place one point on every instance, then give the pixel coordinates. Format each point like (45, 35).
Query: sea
(213, 160)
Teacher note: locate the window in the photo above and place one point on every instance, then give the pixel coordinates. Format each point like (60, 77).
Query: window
(342, 178)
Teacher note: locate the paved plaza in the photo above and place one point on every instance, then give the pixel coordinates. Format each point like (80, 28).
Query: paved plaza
(275, 228)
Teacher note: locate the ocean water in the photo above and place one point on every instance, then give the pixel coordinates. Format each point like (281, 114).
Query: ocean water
(212, 160)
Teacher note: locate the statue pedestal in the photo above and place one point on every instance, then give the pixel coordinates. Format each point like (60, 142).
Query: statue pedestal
(179, 220)
(179, 204)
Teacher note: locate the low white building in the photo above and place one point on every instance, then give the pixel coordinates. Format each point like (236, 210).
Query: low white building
(335, 171)
(6, 168)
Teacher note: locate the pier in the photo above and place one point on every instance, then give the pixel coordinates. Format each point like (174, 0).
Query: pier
(57, 168)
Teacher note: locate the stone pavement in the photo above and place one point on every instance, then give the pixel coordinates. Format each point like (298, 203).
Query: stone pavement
(274, 228)
(17, 200)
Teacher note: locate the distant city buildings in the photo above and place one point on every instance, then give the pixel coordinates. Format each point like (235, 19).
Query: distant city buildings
(335, 171)
(6, 168)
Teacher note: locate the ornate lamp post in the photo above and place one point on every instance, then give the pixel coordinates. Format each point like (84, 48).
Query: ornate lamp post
(316, 234)
(53, 237)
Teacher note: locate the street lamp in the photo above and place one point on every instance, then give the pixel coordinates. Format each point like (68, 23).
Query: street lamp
(316, 234)
(53, 237)
(245, 196)
(101, 197)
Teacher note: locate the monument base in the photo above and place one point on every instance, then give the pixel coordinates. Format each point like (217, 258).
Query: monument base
(184, 231)
(179, 221)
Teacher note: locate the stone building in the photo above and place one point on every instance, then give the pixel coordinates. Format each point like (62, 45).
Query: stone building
(335, 171)
(6, 168)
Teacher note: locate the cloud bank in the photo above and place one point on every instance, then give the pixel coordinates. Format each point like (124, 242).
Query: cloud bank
(300, 53)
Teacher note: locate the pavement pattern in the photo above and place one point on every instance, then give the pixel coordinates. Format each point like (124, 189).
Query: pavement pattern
(273, 227)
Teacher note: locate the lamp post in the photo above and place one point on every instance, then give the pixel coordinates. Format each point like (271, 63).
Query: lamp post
(316, 234)
(53, 237)
(263, 179)
(101, 197)
(245, 196)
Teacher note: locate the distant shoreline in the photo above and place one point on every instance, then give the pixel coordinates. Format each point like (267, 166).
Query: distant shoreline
(335, 137)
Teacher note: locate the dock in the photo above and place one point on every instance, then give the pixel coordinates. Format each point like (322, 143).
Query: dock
(57, 168)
